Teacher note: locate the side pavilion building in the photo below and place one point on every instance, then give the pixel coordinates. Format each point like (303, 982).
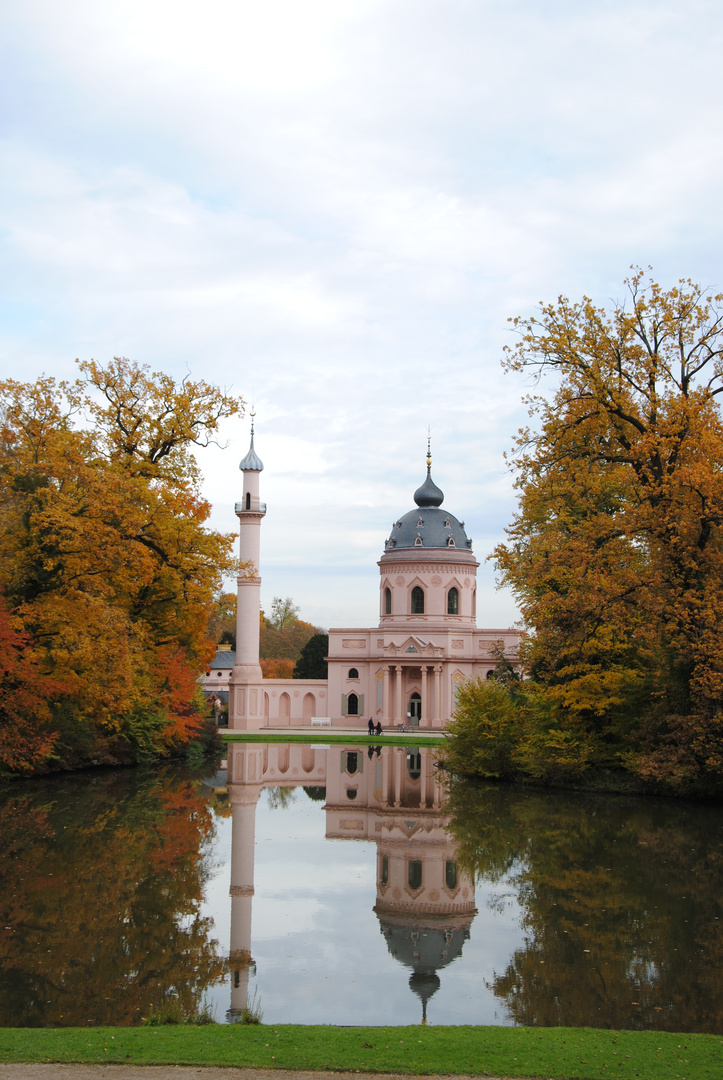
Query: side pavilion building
(405, 670)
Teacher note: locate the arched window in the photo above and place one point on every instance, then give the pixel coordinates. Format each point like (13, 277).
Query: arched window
(417, 601)
(387, 601)
(248, 500)
(414, 873)
(352, 705)
(453, 601)
(353, 673)
(450, 874)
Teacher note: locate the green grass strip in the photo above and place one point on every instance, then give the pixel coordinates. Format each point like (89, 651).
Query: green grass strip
(572, 1053)
(324, 735)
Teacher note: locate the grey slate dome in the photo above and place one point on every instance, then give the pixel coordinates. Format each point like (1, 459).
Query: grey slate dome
(429, 526)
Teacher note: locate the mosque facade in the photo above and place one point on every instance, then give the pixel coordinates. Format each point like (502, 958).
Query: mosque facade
(406, 670)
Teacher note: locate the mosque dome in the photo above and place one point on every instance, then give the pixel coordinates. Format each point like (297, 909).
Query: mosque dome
(429, 526)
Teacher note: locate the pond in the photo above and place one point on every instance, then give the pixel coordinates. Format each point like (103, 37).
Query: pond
(348, 886)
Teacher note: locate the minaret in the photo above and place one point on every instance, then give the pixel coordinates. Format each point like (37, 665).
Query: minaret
(244, 702)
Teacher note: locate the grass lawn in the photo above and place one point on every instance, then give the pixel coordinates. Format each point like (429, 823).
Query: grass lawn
(573, 1053)
(325, 735)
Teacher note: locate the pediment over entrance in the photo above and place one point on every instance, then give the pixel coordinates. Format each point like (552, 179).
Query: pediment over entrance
(413, 646)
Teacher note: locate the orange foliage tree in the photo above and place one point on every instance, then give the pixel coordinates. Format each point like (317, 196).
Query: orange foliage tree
(616, 552)
(277, 669)
(105, 564)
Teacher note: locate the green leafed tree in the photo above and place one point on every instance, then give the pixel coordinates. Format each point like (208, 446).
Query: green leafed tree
(312, 662)
(284, 613)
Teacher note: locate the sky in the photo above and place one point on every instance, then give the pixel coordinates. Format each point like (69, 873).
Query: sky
(333, 209)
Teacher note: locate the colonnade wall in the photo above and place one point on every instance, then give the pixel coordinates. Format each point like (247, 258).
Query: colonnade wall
(277, 703)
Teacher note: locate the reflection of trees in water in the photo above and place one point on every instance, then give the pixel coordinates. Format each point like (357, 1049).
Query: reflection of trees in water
(278, 798)
(103, 885)
(621, 902)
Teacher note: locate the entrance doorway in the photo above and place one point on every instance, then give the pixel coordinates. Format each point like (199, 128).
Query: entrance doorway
(415, 709)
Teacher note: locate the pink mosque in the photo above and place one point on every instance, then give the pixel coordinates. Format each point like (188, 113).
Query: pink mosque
(407, 669)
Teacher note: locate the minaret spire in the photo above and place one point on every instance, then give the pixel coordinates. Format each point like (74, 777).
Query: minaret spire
(252, 462)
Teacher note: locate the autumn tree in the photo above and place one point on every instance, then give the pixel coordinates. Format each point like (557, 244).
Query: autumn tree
(616, 554)
(222, 624)
(106, 568)
(278, 668)
(283, 636)
(284, 613)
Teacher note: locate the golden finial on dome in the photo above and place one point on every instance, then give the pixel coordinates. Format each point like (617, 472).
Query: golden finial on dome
(429, 448)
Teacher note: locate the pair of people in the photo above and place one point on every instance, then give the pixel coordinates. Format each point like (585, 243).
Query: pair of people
(374, 730)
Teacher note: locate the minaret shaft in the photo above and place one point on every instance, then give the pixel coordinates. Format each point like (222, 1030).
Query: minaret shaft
(247, 670)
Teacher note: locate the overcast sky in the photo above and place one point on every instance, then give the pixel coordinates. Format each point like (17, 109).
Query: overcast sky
(334, 206)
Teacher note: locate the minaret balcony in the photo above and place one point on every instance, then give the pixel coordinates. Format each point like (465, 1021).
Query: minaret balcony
(241, 509)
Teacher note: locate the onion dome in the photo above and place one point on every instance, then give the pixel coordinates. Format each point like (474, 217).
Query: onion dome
(252, 462)
(429, 494)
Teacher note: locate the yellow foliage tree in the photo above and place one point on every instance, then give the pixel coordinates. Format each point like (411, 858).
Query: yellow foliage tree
(105, 563)
(615, 554)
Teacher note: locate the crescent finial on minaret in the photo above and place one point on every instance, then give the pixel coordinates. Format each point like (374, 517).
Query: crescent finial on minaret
(252, 462)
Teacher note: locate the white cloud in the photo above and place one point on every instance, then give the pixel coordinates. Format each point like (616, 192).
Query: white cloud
(336, 207)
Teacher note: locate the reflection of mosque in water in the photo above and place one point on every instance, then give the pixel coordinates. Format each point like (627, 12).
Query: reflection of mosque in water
(385, 794)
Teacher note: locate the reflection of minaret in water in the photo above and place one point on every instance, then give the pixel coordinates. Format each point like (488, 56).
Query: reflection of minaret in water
(245, 765)
(424, 904)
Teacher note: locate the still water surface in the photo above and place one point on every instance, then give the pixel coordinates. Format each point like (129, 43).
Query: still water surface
(345, 888)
